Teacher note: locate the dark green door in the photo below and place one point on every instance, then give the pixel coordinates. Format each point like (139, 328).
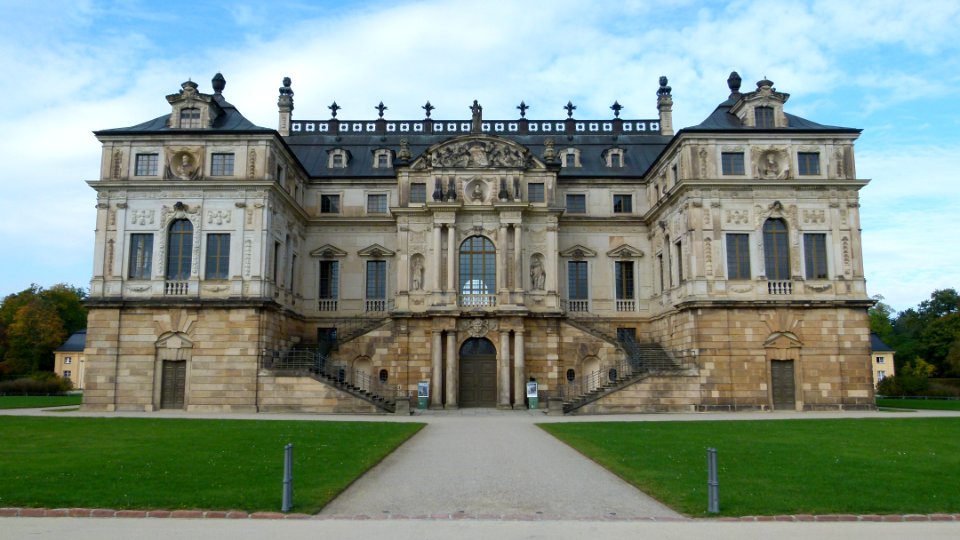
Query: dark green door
(173, 384)
(784, 390)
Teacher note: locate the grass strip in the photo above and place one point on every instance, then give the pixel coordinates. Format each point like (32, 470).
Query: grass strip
(136, 463)
(31, 402)
(933, 404)
(784, 466)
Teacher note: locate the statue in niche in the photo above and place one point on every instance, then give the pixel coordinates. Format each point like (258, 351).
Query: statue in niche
(478, 192)
(416, 272)
(538, 277)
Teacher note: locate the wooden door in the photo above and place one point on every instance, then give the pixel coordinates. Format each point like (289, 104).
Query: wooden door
(173, 384)
(783, 386)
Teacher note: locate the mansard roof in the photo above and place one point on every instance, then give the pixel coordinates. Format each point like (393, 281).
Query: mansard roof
(721, 119)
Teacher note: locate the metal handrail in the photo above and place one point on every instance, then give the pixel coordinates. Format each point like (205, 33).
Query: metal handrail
(316, 362)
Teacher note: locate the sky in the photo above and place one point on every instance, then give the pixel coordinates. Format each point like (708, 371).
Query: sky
(891, 68)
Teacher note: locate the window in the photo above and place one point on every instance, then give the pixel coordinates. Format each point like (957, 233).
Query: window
(281, 175)
(679, 247)
(67, 373)
(776, 250)
(879, 359)
(623, 204)
(616, 160)
(577, 283)
(329, 204)
(571, 375)
(382, 162)
(478, 267)
(418, 192)
(275, 276)
(624, 278)
(68, 360)
(815, 253)
(179, 249)
(628, 335)
(383, 376)
(535, 192)
(576, 203)
(146, 165)
(190, 118)
(141, 256)
(808, 163)
(660, 268)
(218, 256)
(221, 165)
(376, 280)
(570, 158)
(880, 375)
(329, 280)
(738, 256)
(763, 117)
(732, 163)
(377, 203)
(338, 161)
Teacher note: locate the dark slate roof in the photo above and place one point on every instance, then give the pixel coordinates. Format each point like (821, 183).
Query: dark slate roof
(877, 345)
(721, 119)
(231, 120)
(74, 343)
(640, 151)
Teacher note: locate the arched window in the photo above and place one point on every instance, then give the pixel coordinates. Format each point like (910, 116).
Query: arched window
(478, 270)
(179, 249)
(776, 249)
(571, 375)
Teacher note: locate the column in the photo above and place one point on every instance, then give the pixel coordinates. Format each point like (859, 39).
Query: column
(436, 353)
(517, 258)
(503, 376)
(451, 257)
(519, 370)
(452, 370)
(551, 263)
(502, 257)
(437, 250)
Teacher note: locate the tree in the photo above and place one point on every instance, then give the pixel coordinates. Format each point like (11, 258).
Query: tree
(881, 319)
(34, 322)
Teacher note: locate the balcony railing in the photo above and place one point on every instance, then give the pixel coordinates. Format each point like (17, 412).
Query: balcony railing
(575, 306)
(626, 305)
(176, 288)
(326, 304)
(477, 300)
(780, 287)
(377, 305)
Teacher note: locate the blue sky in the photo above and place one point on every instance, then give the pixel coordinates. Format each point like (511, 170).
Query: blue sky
(891, 68)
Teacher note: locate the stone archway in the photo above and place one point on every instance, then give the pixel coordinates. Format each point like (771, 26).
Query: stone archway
(478, 373)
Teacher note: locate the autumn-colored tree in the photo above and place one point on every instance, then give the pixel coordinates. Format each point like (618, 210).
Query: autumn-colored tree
(33, 323)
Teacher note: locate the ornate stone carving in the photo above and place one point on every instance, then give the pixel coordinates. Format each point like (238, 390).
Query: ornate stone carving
(741, 289)
(215, 288)
(549, 153)
(477, 327)
(138, 288)
(817, 288)
(218, 216)
(477, 154)
(141, 217)
(108, 263)
(115, 166)
(772, 163)
(845, 242)
(251, 163)
(416, 272)
(708, 256)
(839, 157)
(247, 253)
(538, 276)
(814, 216)
(183, 164)
(738, 217)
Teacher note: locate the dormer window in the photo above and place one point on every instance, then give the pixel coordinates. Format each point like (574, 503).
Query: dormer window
(570, 158)
(382, 159)
(190, 118)
(614, 158)
(763, 117)
(338, 159)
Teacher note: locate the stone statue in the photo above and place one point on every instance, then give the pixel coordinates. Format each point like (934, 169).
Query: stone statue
(417, 274)
(477, 192)
(537, 276)
(477, 118)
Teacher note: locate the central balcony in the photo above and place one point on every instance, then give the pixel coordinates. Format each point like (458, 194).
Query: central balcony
(477, 300)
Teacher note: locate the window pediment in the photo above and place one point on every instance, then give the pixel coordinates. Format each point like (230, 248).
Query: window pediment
(328, 251)
(782, 340)
(765, 96)
(376, 250)
(625, 251)
(578, 252)
(192, 109)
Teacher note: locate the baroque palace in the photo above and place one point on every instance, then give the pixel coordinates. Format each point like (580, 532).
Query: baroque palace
(344, 265)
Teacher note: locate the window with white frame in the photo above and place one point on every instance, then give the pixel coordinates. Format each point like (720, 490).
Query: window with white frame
(808, 163)
(418, 192)
(815, 255)
(382, 159)
(221, 164)
(622, 203)
(624, 280)
(141, 256)
(738, 256)
(570, 157)
(376, 203)
(338, 159)
(146, 164)
(217, 264)
(68, 360)
(329, 204)
(535, 192)
(576, 203)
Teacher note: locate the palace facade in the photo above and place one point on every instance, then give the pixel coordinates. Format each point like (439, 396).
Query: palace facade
(341, 265)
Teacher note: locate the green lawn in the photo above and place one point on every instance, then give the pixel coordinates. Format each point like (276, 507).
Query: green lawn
(127, 463)
(784, 466)
(938, 404)
(28, 402)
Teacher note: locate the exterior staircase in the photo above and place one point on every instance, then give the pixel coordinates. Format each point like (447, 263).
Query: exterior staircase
(641, 360)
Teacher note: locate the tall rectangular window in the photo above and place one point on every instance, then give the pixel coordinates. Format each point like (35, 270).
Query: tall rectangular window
(377, 203)
(218, 256)
(576, 203)
(663, 284)
(376, 280)
(763, 117)
(535, 192)
(577, 284)
(418, 192)
(221, 165)
(141, 256)
(738, 256)
(180, 250)
(329, 280)
(808, 163)
(776, 249)
(146, 165)
(329, 204)
(815, 253)
(624, 279)
(732, 163)
(623, 204)
(679, 248)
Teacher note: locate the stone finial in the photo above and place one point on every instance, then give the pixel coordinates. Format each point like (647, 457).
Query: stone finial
(428, 107)
(733, 81)
(285, 104)
(665, 107)
(549, 153)
(404, 153)
(285, 90)
(765, 82)
(570, 107)
(523, 109)
(333, 109)
(616, 107)
(218, 83)
(380, 108)
(188, 87)
(664, 90)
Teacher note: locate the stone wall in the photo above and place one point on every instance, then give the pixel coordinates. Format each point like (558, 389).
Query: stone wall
(304, 394)
(661, 393)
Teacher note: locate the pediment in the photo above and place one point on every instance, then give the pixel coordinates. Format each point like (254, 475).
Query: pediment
(174, 340)
(782, 340)
(478, 152)
(376, 250)
(578, 252)
(625, 251)
(328, 251)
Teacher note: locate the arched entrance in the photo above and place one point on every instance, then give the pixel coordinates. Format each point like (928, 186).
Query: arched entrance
(478, 373)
